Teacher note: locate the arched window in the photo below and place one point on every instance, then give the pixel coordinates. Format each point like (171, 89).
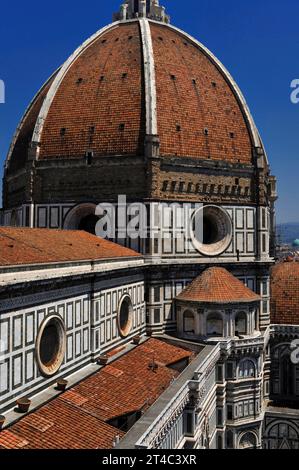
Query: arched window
(241, 324)
(82, 217)
(246, 369)
(287, 376)
(214, 324)
(88, 223)
(283, 431)
(283, 372)
(281, 435)
(189, 322)
(229, 439)
(248, 441)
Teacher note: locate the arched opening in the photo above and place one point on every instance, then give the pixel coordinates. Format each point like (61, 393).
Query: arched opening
(241, 324)
(214, 324)
(189, 322)
(246, 369)
(82, 217)
(287, 376)
(248, 441)
(283, 373)
(281, 435)
(88, 223)
(229, 439)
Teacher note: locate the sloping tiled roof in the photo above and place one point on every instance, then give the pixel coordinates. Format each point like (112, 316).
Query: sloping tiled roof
(285, 293)
(78, 418)
(128, 384)
(217, 285)
(37, 246)
(63, 426)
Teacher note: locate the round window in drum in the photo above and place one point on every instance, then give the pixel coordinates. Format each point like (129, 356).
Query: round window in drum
(50, 345)
(211, 230)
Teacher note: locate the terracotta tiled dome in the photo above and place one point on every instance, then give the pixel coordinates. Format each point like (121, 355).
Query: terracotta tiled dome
(285, 293)
(109, 95)
(218, 286)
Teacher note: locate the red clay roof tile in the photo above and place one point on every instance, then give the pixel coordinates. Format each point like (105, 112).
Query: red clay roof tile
(285, 293)
(10, 440)
(217, 285)
(73, 429)
(80, 415)
(100, 102)
(39, 246)
(198, 98)
(129, 384)
(84, 100)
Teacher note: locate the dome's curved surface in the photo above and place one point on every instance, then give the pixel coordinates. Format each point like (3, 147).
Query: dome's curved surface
(193, 93)
(285, 293)
(100, 101)
(19, 148)
(132, 79)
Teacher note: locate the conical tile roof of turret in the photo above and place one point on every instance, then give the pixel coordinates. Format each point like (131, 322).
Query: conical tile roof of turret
(217, 285)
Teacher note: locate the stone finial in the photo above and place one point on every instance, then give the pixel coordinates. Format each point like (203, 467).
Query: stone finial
(131, 9)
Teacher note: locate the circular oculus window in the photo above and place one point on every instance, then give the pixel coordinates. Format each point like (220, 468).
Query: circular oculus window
(125, 316)
(50, 345)
(211, 230)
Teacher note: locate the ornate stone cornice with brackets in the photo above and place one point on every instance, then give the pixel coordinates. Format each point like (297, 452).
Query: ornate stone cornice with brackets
(196, 388)
(157, 431)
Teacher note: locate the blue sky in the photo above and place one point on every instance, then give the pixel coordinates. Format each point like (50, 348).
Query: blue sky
(257, 40)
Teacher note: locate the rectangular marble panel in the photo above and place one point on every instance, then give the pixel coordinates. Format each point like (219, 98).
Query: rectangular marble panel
(30, 330)
(239, 218)
(17, 332)
(17, 363)
(29, 366)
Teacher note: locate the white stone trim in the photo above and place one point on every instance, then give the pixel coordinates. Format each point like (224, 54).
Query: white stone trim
(150, 78)
(20, 125)
(157, 428)
(59, 78)
(28, 273)
(235, 88)
(249, 431)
